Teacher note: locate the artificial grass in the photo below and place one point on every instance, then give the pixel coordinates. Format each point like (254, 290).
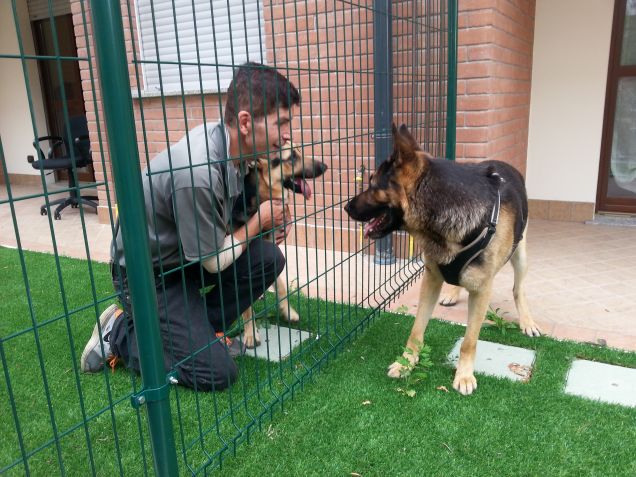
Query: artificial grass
(54, 417)
(348, 419)
(353, 421)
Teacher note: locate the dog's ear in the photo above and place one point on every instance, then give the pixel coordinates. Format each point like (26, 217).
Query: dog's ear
(406, 134)
(404, 147)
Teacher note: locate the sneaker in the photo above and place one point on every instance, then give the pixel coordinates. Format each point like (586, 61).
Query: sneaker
(94, 357)
(235, 346)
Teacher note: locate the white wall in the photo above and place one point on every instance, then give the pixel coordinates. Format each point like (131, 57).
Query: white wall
(16, 129)
(569, 74)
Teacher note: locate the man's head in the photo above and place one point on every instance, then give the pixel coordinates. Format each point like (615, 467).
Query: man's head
(259, 106)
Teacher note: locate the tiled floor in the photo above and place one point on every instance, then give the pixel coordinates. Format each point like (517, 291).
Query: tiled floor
(581, 284)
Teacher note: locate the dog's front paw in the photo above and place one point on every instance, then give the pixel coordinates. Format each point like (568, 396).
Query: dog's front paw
(251, 340)
(396, 370)
(465, 383)
(530, 328)
(401, 366)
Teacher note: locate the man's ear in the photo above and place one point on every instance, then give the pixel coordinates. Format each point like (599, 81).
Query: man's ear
(244, 122)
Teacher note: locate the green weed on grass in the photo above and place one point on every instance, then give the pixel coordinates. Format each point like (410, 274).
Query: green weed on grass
(496, 319)
(414, 369)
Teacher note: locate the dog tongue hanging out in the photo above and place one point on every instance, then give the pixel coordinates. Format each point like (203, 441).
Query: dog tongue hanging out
(469, 219)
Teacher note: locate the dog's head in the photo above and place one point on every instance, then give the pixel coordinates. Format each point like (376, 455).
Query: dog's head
(289, 170)
(383, 204)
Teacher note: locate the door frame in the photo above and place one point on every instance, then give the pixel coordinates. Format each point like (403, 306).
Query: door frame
(614, 73)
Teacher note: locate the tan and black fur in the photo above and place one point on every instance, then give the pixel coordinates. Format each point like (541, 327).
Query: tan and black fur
(444, 204)
(271, 179)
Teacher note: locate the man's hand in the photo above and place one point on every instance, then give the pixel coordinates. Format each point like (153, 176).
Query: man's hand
(273, 213)
(280, 235)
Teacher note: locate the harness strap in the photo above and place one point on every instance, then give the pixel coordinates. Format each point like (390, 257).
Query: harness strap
(453, 270)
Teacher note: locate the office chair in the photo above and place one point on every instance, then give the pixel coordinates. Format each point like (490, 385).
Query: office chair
(81, 147)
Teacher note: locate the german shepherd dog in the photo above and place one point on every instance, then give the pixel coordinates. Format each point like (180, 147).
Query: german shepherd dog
(270, 179)
(451, 209)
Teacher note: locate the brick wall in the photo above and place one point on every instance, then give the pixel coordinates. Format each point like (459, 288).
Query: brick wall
(326, 49)
(494, 76)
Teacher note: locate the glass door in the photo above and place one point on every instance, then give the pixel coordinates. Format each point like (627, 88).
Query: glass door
(617, 175)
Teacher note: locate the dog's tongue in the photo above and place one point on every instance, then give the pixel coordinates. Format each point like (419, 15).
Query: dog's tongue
(370, 226)
(304, 187)
(367, 228)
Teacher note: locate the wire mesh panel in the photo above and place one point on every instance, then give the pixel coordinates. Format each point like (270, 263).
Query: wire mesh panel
(249, 125)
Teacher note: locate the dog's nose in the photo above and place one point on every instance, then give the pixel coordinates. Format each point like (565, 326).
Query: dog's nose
(346, 207)
(319, 169)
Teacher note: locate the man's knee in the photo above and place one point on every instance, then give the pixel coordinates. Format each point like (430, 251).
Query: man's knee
(275, 258)
(210, 376)
(272, 260)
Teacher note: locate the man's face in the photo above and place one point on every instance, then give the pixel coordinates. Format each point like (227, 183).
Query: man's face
(271, 132)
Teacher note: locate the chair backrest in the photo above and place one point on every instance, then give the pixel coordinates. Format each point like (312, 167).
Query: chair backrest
(79, 129)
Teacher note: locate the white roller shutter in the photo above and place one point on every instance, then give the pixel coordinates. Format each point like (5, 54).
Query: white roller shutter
(238, 32)
(39, 9)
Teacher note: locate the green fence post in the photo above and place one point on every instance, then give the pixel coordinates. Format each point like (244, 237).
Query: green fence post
(118, 112)
(383, 104)
(451, 90)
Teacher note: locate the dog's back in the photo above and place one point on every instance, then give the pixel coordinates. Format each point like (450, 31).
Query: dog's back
(457, 198)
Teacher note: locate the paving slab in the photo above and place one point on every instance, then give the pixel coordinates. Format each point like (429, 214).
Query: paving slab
(277, 342)
(602, 382)
(499, 360)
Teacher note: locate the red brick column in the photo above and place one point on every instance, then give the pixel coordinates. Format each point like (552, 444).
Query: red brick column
(494, 79)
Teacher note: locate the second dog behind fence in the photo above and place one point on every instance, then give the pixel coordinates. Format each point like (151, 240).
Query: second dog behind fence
(270, 179)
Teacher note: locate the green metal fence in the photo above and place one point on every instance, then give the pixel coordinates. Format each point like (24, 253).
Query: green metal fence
(149, 72)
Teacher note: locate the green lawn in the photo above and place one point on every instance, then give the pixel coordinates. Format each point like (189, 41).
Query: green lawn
(348, 419)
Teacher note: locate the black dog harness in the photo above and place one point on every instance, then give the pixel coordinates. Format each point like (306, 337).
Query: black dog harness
(452, 271)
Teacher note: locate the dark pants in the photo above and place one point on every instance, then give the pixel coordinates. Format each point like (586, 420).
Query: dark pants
(189, 319)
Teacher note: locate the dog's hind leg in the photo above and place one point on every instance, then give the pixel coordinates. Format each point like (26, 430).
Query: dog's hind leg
(520, 265)
(251, 337)
(450, 295)
(286, 310)
(478, 300)
(429, 293)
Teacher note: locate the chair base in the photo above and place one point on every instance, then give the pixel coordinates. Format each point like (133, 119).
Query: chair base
(74, 202)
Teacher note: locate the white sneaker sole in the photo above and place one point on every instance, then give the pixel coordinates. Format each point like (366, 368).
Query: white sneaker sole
(94, 340)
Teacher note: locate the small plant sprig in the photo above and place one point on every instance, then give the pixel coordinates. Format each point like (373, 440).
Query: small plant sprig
(402, 309)
(498, 321)
(413, 373)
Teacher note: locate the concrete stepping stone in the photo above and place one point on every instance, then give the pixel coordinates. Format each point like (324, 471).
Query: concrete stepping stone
(602, 382)
(277, 342)
(499, 360)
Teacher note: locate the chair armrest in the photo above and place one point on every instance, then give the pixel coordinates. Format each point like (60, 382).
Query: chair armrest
(58, 142)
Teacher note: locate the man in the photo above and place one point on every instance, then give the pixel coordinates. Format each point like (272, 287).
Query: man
(206, 274)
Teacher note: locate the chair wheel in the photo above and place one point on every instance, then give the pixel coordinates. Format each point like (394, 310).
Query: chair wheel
(42, 211)
(57, 216)
(74, 206)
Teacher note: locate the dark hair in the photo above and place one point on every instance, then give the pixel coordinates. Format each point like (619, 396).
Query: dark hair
(258, 89)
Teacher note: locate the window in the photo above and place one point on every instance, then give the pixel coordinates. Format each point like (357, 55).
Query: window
(229, 32)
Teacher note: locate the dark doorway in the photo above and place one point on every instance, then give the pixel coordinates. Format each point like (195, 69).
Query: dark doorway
(61, 81)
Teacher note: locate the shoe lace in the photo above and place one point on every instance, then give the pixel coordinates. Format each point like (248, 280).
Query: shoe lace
(112, 362)
(222, 337)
